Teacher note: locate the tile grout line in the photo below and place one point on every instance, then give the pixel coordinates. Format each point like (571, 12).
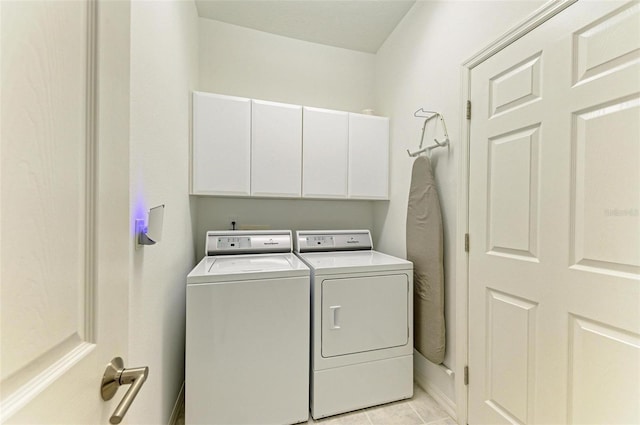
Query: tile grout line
(446, 415)
(416, 412)
(367, 416)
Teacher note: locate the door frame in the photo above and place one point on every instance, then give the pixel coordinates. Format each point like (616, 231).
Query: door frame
(537, 18)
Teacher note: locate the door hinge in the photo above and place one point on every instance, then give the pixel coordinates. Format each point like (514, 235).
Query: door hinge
(468, 109)
(466, 242)
(466, 375)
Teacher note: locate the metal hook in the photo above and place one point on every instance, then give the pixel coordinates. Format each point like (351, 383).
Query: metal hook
(422, 111)
(438, 144)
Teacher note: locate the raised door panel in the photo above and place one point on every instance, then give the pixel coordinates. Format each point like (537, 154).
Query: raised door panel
(510, 355)
(512, 194)
(606, 228)
(221, 163)
(364, 314)
(325, 141)
(604, 366)
(368, 157)
(276, 152)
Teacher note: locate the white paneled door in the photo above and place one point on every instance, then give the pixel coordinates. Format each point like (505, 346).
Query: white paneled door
(64, 224)
(554, 263)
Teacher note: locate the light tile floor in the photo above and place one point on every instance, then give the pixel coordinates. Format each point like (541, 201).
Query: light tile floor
(421, 409)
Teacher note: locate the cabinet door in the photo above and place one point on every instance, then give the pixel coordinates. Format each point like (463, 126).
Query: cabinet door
(368, 157)
(276, 153)
(325, 141)
(221, 145)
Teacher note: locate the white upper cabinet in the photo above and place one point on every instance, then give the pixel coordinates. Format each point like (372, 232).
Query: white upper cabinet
(276, 152)
(245, 147)
(221, 145)
(368, 157)
(325, 150)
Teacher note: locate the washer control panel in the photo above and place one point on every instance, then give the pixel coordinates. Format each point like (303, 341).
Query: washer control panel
(233, 242)
(248, 242)
(320, 241)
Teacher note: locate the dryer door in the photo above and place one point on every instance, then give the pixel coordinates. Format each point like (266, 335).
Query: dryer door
(364, 314)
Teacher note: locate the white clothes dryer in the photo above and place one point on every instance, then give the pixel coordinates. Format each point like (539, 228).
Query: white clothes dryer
(361, 321)
(247, 332)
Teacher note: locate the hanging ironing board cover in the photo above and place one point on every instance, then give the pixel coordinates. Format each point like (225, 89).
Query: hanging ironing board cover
(425, 250)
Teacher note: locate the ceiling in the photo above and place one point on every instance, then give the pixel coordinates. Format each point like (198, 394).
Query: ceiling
(361, 25)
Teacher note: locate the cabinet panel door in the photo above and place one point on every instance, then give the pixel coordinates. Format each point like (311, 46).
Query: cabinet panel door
(368, 157)
(325, 143)
(221, 145)
(276, 154)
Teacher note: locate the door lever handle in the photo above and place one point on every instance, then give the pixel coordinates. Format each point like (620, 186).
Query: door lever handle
(116, 375)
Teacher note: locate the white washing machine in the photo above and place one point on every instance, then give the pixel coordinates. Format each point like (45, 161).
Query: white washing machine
(361, 321)
(247, 332)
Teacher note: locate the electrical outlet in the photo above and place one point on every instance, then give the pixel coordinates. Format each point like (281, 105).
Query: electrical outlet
(233, 219)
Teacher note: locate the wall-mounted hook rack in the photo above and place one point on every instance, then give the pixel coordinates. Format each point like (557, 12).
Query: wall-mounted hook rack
(428, 116)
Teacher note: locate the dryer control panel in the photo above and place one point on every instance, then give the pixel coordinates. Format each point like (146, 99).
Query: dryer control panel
(333, 240)
(248, 242)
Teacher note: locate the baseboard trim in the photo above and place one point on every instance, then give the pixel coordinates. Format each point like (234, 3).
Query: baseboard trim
(445, 402)
(177, 406)
(420, 375)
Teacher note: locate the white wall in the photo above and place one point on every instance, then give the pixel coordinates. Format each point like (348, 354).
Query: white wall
(164, 57)
(419, 66)
(249, 63)
(245, 62)
(213, 213)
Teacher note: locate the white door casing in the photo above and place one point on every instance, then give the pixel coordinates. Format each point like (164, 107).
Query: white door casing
(554, 195)
(64, 194)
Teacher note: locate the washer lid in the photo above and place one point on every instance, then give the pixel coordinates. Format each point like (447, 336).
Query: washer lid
(225, 268)
(353, 261)
(251, 263)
